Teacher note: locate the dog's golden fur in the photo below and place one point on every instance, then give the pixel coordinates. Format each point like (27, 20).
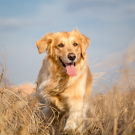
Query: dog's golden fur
(66, 93)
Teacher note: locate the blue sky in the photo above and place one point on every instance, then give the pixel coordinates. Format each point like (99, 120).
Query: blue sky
(110, 24)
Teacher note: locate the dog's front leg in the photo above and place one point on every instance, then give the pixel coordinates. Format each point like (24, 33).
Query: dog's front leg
(75, 122)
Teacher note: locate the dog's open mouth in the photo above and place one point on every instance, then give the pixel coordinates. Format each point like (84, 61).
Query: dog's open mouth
(70, 68)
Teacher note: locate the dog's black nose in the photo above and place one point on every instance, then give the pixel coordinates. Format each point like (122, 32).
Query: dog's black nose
(71, 56)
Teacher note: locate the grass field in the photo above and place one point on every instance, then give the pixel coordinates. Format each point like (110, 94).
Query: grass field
(109, 113)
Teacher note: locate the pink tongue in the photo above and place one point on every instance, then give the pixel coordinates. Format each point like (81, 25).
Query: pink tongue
(71, 70)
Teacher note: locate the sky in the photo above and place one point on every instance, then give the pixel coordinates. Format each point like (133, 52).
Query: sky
(110, 25)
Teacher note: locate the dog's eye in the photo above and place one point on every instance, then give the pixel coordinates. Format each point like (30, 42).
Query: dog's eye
(61, 45)
(75, 44)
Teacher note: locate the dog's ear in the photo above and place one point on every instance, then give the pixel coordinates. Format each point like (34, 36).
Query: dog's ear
(44, 42)
(85, 44)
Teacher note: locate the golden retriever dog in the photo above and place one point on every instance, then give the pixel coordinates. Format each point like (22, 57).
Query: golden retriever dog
(64, 80)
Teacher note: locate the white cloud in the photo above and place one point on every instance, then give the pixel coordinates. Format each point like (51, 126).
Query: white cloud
(64, 14)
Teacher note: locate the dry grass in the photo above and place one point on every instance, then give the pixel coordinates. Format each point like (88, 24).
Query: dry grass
(110, 113)
(20, 112)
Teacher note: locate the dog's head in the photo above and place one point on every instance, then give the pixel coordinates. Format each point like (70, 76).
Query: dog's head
(68, 48)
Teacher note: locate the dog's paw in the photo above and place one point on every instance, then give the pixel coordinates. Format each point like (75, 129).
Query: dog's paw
(74, 127)
(69, 132)
(70, 125)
